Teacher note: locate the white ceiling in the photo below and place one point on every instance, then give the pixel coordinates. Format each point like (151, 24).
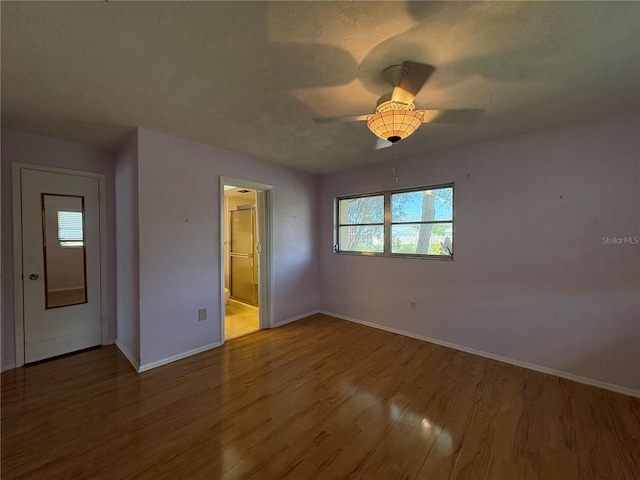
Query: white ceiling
(250, 77)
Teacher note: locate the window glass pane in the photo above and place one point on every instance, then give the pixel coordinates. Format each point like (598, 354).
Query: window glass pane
(422, 206)
(361, 239)
(362, 210)
(422, 239)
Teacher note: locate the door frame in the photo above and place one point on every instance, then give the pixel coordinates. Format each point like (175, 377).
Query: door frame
(264, 219)
(18, 294)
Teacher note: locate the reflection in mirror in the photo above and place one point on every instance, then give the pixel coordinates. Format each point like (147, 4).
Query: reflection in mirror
(64, 250)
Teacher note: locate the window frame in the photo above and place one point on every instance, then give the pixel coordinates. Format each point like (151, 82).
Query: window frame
(383, 223)
(387, 223)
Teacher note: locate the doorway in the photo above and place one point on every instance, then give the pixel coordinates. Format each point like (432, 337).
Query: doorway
(241, 272)
(58, 262)
(245, 217)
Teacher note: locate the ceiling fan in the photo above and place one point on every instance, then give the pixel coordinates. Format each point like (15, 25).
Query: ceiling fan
(396, 116)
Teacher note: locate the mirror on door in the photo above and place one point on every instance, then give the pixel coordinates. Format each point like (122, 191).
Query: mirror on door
(64, 250)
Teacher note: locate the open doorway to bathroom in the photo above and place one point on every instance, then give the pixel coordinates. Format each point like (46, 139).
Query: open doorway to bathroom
(241, 266)
(245, 220)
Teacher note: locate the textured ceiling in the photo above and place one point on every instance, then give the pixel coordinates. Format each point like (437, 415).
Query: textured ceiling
(250, 77)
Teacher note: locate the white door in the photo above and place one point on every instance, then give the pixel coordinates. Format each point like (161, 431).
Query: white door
(60, 263)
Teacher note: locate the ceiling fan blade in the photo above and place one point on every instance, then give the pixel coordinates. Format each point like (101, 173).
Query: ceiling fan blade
(428, 115)
(454, 115)
(380, 144)
(409, 79)
(342, 119)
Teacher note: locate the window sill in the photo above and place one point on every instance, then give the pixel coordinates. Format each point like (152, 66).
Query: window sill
(448, 258)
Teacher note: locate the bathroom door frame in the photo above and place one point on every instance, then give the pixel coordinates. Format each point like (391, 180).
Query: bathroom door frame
(264, 219)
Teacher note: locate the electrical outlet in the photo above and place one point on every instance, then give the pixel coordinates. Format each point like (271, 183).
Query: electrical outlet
(413, 305)
(202, 314)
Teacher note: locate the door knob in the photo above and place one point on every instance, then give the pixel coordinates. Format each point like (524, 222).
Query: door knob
(34, 276)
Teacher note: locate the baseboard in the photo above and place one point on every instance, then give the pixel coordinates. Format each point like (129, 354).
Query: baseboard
(293, 319)
(179, 356)
(511, 361)
(125, 351)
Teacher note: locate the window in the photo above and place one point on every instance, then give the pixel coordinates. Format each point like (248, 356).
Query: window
(422, 222)
(70, 229)
(361, 224)
(411, 223)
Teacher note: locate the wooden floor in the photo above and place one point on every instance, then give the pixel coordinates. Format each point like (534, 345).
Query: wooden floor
(318, 398)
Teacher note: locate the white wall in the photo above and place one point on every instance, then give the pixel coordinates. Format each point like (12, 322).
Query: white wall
(532, 280)
(26, 148)
(127, 249)
(179, 241)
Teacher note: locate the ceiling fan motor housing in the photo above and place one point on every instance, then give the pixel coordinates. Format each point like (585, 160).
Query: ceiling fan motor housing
(393, 105)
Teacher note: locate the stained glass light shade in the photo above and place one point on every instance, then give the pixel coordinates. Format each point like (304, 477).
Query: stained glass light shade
(394, 125)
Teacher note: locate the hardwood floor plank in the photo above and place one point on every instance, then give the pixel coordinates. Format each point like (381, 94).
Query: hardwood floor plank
(320, 398)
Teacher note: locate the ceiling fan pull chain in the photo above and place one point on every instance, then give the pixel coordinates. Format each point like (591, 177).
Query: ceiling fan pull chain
(395, 162)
